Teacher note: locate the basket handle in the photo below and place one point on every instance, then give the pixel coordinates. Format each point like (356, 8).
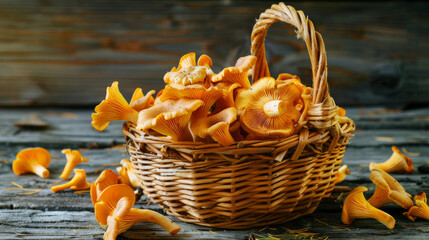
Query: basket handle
(306, 31)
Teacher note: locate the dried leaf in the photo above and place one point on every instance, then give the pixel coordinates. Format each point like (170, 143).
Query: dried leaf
(410, 153)
(335, 226)
(33, 121)
(414, 227)
(4, 161)
(384, 139)
(69, 115)
(30, 193)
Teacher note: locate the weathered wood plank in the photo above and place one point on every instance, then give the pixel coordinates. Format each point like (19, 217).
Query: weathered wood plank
(49, 50)
(48, 215)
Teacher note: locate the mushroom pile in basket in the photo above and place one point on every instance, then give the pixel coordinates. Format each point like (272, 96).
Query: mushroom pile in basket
(200, 105)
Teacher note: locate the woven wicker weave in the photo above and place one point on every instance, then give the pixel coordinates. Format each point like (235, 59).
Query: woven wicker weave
(254, 182)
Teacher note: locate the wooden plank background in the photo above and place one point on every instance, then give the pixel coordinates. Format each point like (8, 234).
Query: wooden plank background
(65, 53)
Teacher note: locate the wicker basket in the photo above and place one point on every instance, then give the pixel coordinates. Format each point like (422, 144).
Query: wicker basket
(255, 182)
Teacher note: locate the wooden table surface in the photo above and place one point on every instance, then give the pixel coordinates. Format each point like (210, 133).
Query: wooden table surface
(68, 215)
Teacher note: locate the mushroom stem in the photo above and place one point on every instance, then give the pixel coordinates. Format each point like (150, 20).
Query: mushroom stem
(275, 108)
(397, 162)
(356, 206)
(73, 159)
(41, 171)
(78, 182)
(146, 215)
(62, 186)
(383, 218)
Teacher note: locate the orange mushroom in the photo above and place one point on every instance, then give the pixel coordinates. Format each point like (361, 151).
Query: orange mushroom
(78, 182)
(169, 118)
(398, 162)
(356, 206)
(388, 190)
(188, 72)
(238, 73)
(127, 174)
(421, 210)
(228, 98)
(123, 176)
(268, 108)
(105, 179)
(139, 101)
(216, 126)
(73, 159)
(113, 108)
(208, 95)
(114, 208)
(34, 160)
(342, 173)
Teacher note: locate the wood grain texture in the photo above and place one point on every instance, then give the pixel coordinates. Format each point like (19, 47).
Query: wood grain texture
(69, 215)
(66, 52)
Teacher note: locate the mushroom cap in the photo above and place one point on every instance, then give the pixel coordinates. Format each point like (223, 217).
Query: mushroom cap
(217, 126)
(421, 210)
(420, 197)
(169, 118)
(205, 60)
(115, 222)
(108, 199)
(388, 190)
(208, 95)
(105, 179)
(408, 161)
(168, 109)
(133, 178)
(354, 198)
(397, 162)
(80, 182)
(29, 157)
(73, 157)
(342, 173)
(188, 72)
(267, 96)
(288, 76)
(140, 101)
(356, 206)
(237, 74)
(113, 108)
(227, 100)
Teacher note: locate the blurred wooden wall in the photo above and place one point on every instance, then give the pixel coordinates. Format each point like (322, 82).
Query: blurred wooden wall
(65, 53)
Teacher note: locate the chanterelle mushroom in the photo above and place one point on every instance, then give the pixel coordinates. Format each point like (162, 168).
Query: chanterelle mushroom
(113, 108)
(140, 101)
(421, 210)
(127, 174)
(269, 108)
(356, 206)
(34, 160)
(105, 179)
(216, 126)
(195, 91)
(342, 173)
(114, 208)
(388, 190)
(187, 72)
(237, 74)
(78, 182)
(73, 159)
(169, 118)
(398, 162)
